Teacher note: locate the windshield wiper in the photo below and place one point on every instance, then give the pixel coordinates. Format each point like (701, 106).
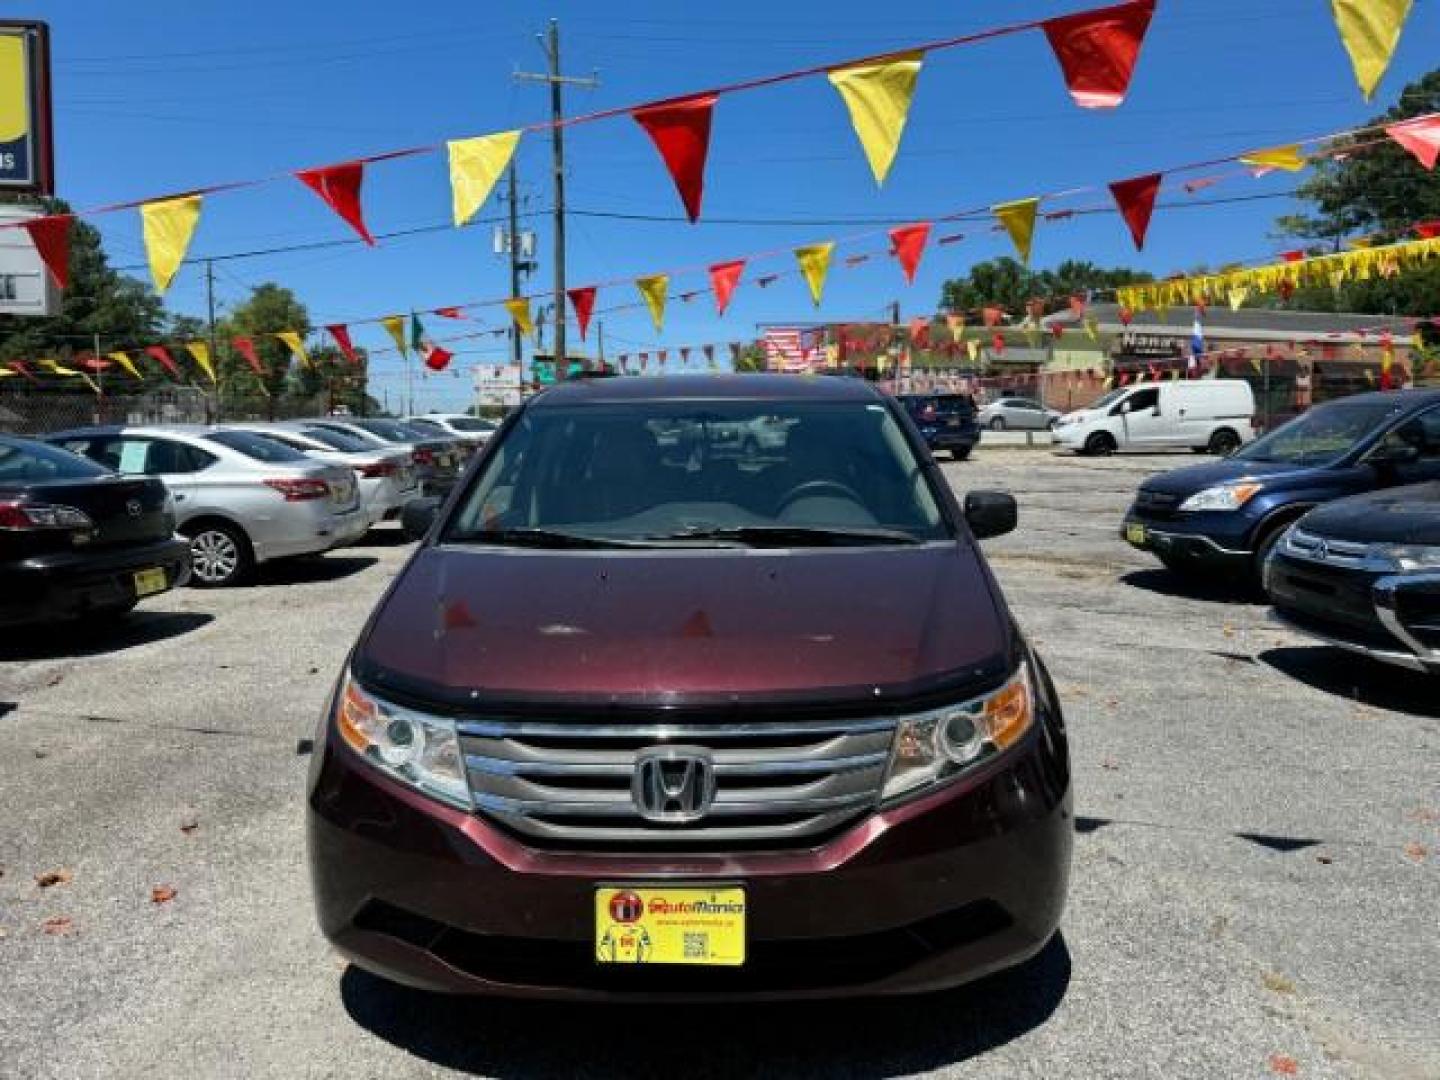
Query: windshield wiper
(538, 538)
(778, 536)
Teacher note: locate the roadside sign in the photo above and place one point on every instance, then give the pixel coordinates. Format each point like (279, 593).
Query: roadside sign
(26, 150)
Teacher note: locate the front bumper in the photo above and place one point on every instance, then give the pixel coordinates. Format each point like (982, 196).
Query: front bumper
(1188, 544)
(73, 584)
(957, 884)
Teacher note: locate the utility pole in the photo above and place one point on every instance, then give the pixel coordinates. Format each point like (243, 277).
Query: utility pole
(600, 342)
(210, 304)
(514, 245)
(99, 384)
(551, 44)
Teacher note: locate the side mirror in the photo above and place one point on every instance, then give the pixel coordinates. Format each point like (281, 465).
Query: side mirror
(1395, 453)
(418, 516)
(991, 513)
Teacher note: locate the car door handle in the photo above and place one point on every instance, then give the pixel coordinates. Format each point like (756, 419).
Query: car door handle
(180, 498)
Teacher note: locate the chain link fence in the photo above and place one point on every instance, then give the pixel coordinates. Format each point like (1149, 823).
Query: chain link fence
(26, 411)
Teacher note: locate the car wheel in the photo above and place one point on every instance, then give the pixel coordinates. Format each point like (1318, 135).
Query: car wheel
(960, 454)
(219, 555)
(1224, 443)
(997, 423)
(1262, 552)
(1101, 444)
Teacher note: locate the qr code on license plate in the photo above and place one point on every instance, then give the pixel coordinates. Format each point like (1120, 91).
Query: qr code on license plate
(697, 946)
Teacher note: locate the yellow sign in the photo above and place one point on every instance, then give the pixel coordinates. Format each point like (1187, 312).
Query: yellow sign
(25, 163)
(14, 89)
(640, 925)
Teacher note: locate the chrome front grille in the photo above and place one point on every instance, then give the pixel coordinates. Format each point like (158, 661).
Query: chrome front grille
(775, 782)
(1302, 545)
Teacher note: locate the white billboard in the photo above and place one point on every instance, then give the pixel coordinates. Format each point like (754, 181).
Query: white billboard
(497, 386)
(26, 288)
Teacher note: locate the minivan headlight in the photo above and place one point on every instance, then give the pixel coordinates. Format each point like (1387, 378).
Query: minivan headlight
(940, 744)
(1406, 557)
(415, 748)
(1224, 497)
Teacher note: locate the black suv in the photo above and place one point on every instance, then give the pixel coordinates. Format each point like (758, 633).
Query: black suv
(945, 421)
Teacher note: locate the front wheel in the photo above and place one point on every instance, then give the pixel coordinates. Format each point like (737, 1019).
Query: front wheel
(1224, 443)
(997, 423)
(1101, 444)
(960, 453)
(219, 556)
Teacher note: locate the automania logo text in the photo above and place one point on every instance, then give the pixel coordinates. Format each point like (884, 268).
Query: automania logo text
(661, 906)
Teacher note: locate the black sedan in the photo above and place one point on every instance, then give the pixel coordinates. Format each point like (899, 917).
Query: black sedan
(1363, 573)
(79, 541)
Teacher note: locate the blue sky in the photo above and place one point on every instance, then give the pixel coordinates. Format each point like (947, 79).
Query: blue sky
(164, 95)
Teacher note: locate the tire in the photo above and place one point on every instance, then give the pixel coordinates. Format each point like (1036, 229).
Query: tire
(997, 423)
(1223, 443)
(960, 455)
(1101, 444)
(220, 554)
(1262, 552)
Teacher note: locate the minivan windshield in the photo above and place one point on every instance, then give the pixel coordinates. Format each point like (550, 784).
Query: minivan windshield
(1322, 435)
(685, 473)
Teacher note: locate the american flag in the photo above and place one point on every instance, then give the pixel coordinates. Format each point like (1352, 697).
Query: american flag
(794, 348)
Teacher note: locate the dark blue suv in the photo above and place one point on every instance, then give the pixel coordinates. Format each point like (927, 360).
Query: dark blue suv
(945, 421)
(1224, 518)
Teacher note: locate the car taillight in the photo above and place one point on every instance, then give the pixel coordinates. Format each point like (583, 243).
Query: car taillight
(28, 517)
(380, 468)
(300, 490)
(424, 457)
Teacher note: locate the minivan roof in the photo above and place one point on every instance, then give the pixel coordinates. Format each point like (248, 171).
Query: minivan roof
(704, 388)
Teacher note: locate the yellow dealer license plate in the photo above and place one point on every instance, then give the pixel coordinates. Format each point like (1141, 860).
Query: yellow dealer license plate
(1135, 534)
(636, 924)
(149, 581)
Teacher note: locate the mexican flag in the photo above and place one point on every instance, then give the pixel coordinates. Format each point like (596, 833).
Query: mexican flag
(436, 358)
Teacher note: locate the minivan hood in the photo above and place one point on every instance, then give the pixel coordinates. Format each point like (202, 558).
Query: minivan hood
(1403, 515)
(1188, 481)
(685, 626)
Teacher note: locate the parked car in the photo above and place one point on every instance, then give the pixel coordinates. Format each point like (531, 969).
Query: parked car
(240, 499)
(473, 431)
(633, 724)
(1363, 573)
(1225, 517)
(947, 422)
(437, 458)
(76, 540)
(1017, 414)
(1204, 415)
(386, 476)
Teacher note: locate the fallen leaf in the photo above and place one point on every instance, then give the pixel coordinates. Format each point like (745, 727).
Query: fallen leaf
(1284, 1065)
(1278, 984)
(188, 827)
(53, 877)
(1228, 630)
(162, 894)
(1416, 852)
(1109, 763)
(55, 680)
(1324, 860)
(58, 925)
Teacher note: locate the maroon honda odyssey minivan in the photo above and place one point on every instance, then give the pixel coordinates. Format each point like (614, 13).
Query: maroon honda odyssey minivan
(695, 687)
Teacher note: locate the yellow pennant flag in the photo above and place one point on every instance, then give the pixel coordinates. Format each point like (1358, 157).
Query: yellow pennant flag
(125, 362)
(654, 289)
(201, 352)
(475, 165)
(1238, 295)
(1019, 220)
(395, 324)
(1288, 158)
(58, 368)
(973, 348)
(814, 262)
(168, 225)
(291, 340)
(878, 95)
(1092, 329)
(519, 309)
(1370, 30)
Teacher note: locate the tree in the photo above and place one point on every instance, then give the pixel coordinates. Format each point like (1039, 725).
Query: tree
(1008, 284)
(752, 358)
(270, 309)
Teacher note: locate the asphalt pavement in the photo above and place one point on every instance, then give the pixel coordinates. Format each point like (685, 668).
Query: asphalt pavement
(1255, 888)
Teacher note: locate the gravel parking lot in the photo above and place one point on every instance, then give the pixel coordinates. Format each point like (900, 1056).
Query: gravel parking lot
(1255, 889)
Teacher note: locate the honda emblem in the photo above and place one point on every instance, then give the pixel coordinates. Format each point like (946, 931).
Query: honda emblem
(673, 784)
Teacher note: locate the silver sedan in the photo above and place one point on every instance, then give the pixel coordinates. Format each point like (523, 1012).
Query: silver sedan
(1017, 414)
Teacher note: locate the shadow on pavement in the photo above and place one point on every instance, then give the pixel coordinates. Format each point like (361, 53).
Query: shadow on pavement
(878, 1038)
(309, 570)
(74, 639)
(1212, 591)
(1358, 678)
(383, 537)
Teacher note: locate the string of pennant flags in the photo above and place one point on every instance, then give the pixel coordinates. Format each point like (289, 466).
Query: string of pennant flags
(1097, 51)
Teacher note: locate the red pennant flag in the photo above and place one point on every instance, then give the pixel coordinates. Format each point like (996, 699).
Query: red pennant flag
(661, 355)
(583, 301)
(159, 353)
(1097, 51)
(341, 333)
(1057, 331)
(1292, 256)
(90, 362)
(246, 347)
(1421, 137)
(1126, 316)
(436, 358)
(339, 186)
(1428, 230)
(723, 279)
(1136, 199)
(21, 368)
(680, 129)
(449, 313)
(920, 332)
(998, 343)
(51, 237)
(908, 244)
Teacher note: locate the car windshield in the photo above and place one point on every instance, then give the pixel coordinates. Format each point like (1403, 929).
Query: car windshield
(28, 463)
(828, 473)
(338, 440)
(259, 447)
(390, 430)
(1320, 436)
(1108, 400)
(469, 423)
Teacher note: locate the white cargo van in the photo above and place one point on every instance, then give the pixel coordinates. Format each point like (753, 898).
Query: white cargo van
(1202, 414)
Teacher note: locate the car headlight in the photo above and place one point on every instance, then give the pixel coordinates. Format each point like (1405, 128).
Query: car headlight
(1406, 557)
(414, 748)
(940, 744)
(1224, 497)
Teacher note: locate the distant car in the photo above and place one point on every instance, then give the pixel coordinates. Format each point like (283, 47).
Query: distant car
(1224, 518)
(1363, 573)
(1017, 414)
(437, 458)
(471, 430)
(241, 499)
(386, 477)
(947, 422)
(1204, 415)
(78, 541)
